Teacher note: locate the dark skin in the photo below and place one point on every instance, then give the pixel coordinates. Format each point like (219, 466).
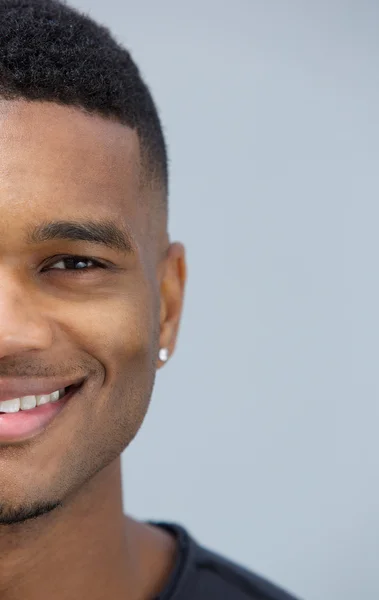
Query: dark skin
(107, 324)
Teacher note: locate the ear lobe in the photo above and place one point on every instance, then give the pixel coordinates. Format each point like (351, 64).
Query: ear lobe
(172, 296)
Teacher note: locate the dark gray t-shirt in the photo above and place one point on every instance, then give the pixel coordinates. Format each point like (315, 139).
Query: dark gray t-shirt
(200, 574)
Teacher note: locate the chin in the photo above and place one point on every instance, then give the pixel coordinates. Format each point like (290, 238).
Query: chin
(11, 514)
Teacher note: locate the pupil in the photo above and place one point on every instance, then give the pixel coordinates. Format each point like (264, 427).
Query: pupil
(79, 264)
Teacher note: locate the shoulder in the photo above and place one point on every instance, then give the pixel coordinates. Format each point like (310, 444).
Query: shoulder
(202, 574)
(218, 575)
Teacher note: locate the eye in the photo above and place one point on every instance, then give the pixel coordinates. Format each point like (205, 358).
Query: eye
(75, 263)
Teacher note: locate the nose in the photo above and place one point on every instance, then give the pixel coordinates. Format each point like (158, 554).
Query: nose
(22, 326)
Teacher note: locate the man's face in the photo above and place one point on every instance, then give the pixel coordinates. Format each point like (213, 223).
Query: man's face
(103, 324)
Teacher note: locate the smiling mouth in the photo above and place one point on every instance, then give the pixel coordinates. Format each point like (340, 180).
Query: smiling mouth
(27, 403)
(23, 424)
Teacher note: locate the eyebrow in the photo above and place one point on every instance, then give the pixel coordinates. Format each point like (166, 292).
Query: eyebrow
(105, 233)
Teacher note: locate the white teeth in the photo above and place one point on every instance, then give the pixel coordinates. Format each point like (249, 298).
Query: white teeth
(43, 399)
(46, 398)
(28, 402)
(54, 396)
(10, 406)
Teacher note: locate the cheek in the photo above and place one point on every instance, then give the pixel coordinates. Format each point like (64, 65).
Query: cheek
(128, 337)
(120, 334)
(114, 330)
(126, 347)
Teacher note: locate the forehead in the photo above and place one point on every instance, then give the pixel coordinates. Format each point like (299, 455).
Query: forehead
(59, 161)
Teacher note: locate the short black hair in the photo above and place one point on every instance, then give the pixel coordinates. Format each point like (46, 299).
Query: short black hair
(51, 52)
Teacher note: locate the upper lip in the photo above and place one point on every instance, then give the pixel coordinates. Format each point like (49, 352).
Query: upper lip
(18, 388)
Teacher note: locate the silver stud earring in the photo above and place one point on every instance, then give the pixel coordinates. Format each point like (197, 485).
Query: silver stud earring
(163, 354)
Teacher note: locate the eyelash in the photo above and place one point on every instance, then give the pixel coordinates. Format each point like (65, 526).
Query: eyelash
(74, 258)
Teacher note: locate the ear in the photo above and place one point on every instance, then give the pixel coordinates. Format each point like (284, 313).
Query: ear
(172, 296)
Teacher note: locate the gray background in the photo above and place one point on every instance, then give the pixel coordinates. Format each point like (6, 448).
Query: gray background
(262, 434)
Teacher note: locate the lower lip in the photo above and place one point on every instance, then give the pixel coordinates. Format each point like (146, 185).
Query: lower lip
(25, 424)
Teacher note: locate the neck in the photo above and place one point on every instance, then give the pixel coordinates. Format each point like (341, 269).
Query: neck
(86, 549)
